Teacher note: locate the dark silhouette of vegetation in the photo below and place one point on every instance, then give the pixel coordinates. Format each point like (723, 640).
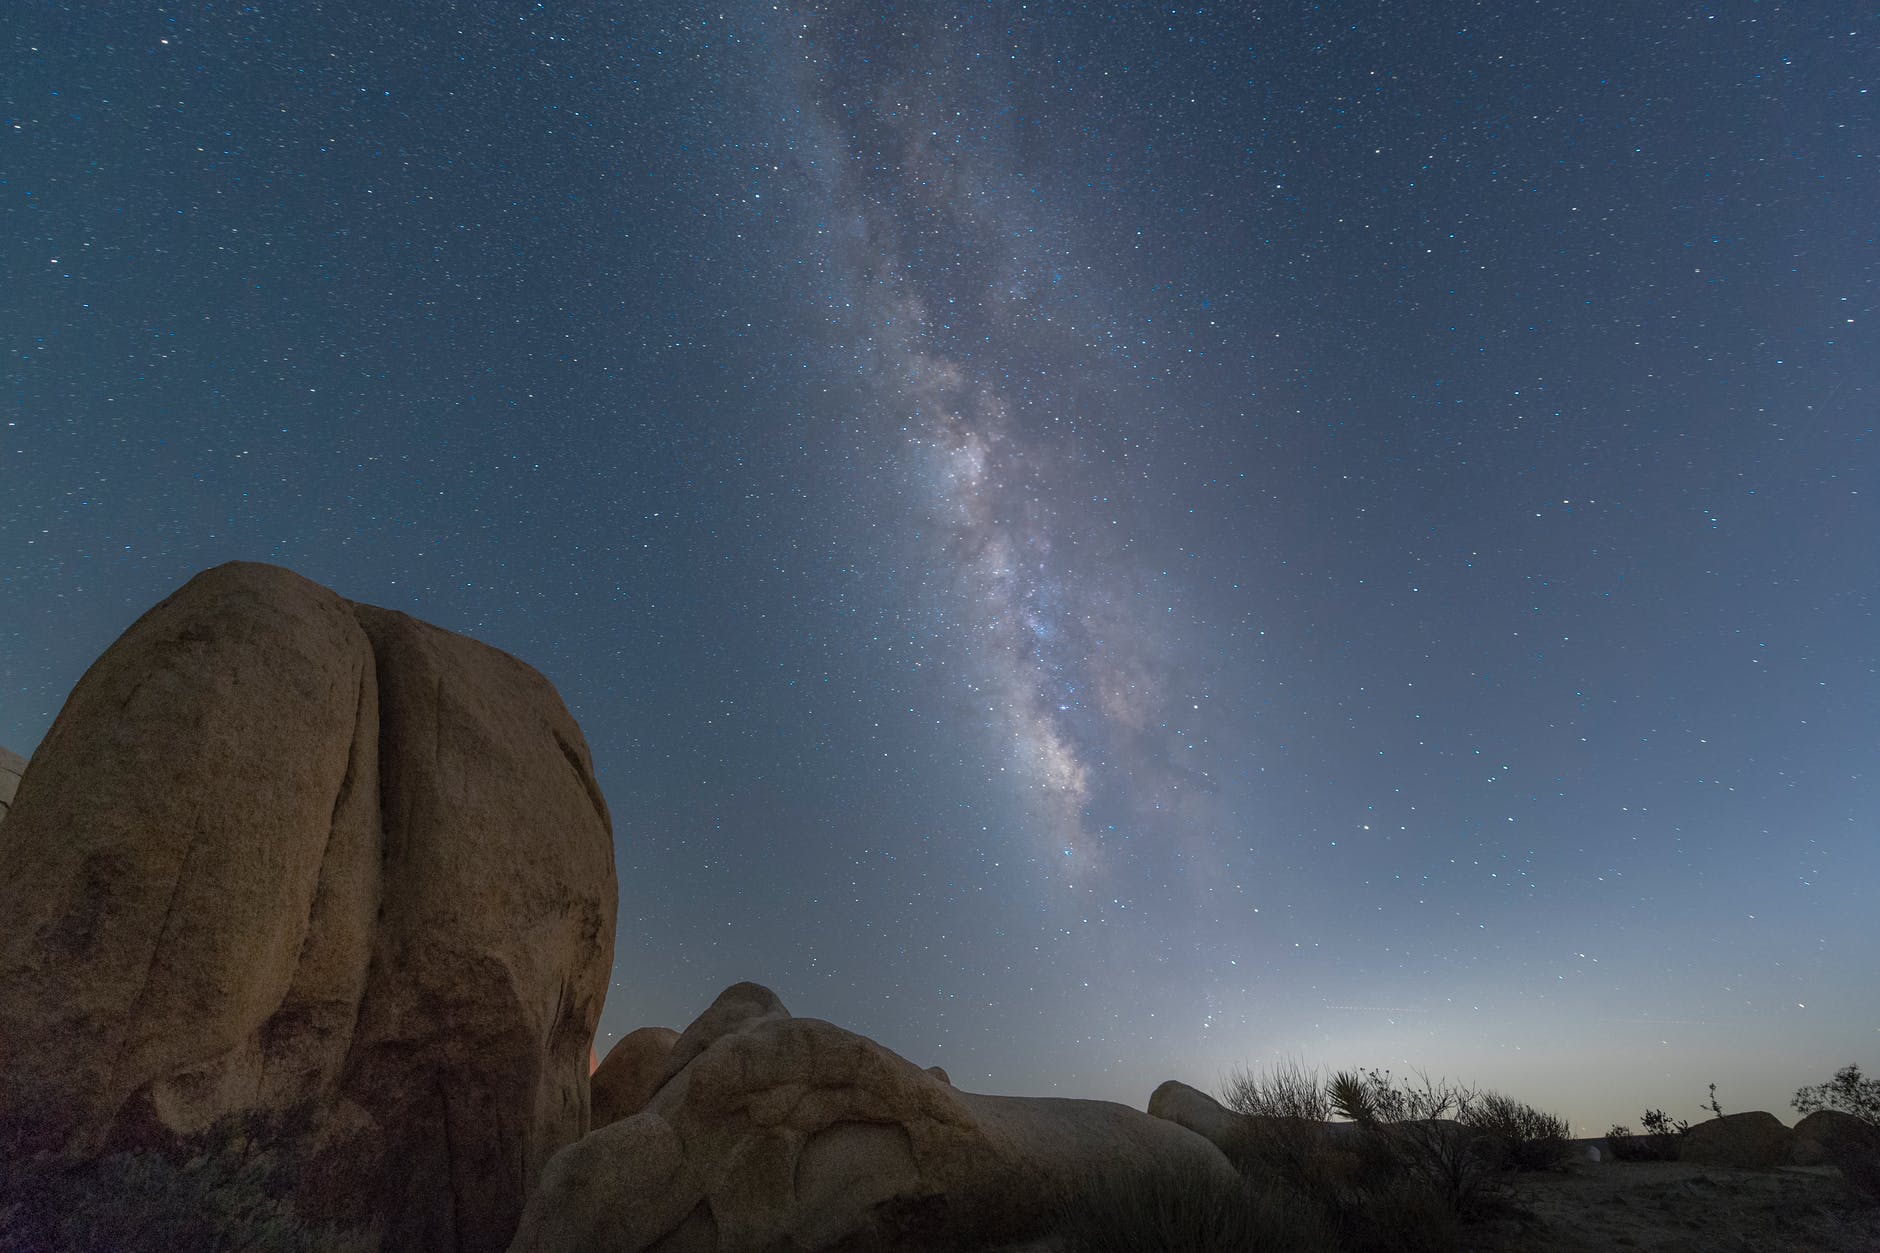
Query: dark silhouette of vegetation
(1189, 1211)
(1848, 1092)
(1659, 1143)
(1288, 1089)
(1516, 1136)
(1415, 1160)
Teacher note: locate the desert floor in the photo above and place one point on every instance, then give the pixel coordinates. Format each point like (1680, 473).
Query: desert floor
(1673, 1207)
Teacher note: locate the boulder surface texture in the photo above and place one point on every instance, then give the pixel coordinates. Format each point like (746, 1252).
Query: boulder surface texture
(1751, 1141)
(776, 1132)
(12, 765)
(1199, 1112)
(291, 862)
(633, 1070)
(1835, 1138)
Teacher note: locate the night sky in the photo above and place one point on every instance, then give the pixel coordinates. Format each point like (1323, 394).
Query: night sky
(1091, 544)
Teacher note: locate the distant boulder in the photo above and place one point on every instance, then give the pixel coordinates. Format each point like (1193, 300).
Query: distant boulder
(1830, 1137)
(1751, 1141)
(1814, 1135)
(632, 1071)
(1200, 1113)
(12, 765)
(285, 859)
(790, 1133)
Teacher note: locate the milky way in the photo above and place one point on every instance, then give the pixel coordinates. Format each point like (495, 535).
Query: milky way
(978, 374)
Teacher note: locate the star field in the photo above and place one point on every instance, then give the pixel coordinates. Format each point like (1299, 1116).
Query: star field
(1091, 543)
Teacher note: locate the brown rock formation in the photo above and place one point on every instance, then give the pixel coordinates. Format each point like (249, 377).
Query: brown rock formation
(286, 855)
(633, 1071)
(1199, 1112)
(1752, 1141)
(12, 765)
(1815, 1134)
(1835, 1138)
(784, 1132)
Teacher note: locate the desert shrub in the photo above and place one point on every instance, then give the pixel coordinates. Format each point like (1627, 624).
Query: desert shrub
(1400, 1177)
(1659, 1143)
(1188, 1211)
(1292, 1153)
(1283, 1136)
(1288, 1090)
(220, 1192)
(1847, 1092)
(1516, 1136)
(1421, 1129)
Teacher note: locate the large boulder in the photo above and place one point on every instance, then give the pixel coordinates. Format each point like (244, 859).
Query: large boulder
(1751, 1141)
(783, 1132)
(1817, 1135)
(634, 1070)
(288, 861)
(1199, 1112)
(1831, 1137)
(12, 765)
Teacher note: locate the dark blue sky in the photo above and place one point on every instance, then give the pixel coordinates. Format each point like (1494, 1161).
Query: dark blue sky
(1090, 543)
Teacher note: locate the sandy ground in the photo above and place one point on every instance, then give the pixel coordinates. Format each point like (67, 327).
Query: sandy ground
(1672, 1207)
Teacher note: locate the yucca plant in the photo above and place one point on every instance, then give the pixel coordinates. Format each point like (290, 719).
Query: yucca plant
(1350, 1097)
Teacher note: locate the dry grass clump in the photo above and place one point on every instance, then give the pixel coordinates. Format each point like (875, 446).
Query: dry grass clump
(1386, 1186)
(1417, 1158)
(1189, 1212)
(219, 1192)
(1287, 1089)
(1516, 1136)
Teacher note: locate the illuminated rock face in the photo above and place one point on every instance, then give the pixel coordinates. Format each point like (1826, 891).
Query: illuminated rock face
(1197, 1111)
(285, 859)
(12, 765)
(775, 1132)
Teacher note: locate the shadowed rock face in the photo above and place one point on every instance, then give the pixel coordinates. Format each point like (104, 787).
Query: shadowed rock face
(1835, 1138)
(1816, 1135)
(1751, 1141)
(779, 1132)
(283, 854)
